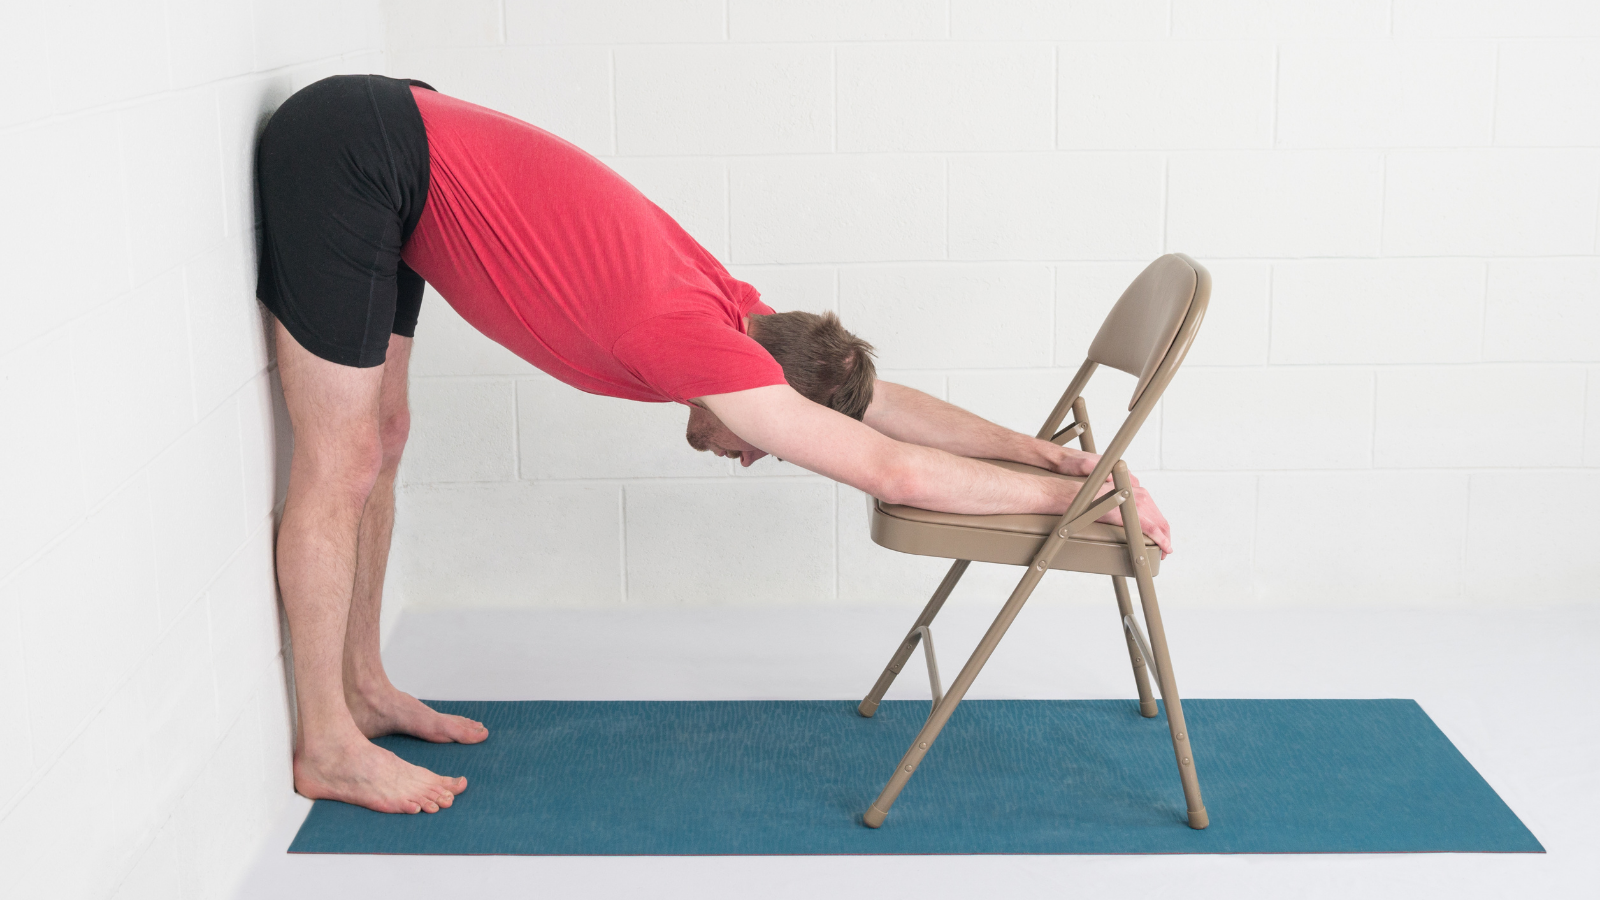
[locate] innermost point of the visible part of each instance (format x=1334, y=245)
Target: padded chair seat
x=1008, y=539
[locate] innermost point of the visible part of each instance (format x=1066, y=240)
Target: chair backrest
x=1147, y=334
x=1139, y=332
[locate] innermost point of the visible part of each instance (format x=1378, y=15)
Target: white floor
x=1510, y=688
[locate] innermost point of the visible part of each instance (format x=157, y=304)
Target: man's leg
x=378, y=706
x=338, y=454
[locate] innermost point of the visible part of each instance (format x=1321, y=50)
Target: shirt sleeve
x=688, y=355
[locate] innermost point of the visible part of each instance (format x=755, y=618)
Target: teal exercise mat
x=1006, y=776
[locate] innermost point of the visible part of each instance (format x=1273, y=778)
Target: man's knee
x=392, y=432
x=341, y=468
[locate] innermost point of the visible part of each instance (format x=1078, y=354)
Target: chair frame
x=1084, y=509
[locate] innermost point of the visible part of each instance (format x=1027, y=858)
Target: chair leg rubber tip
x=1198, y=819
x=1149, y=709
x=874, y=817
x=867, y=708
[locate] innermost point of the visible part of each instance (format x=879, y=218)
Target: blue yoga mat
x=1006, y=776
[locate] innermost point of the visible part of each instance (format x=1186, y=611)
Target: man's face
x=706, y=433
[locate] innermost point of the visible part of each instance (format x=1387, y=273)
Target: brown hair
x=820, y=360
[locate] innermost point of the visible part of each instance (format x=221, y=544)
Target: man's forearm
x=935, y=479
x=909, y=415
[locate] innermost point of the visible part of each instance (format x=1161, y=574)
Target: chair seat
x=1007, y=539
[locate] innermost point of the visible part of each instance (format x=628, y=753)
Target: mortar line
x=1494, y=97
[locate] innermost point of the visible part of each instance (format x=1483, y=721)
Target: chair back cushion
x=1139, y=331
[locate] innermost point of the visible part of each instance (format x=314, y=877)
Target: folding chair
x=1147, y=334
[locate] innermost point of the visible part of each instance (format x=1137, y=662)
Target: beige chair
x=1147, y=334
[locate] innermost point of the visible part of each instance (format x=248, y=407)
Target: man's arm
x=781, y=422
x=909, y=415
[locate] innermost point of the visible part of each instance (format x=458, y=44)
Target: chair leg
x=903, y=652
x=941, y=714
x=1158, y=644
x=1141, y=672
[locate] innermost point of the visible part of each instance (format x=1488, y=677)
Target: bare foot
x=393, y=711
x=365, y=774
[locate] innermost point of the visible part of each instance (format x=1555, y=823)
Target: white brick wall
x=144, y=728
x=1398, y=201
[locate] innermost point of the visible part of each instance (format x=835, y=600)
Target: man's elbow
x=897, y=479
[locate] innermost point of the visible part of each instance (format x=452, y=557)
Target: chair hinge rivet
x=908, y=768
x=923, y=745
x=1139, y=561
x=894, y=668
x=1065, y=533
x=1039, y=565
x=1180, y=736
x=1185, y=762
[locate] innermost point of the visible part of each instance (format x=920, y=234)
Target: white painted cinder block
x=1349, y=539
x=1491, y=202
x=1085, y=294
x=244, y=105
x=208, y=40
x=1479, y=416
x=172, y=157
x=1272, y=204
x=98, y=795
x=1385, y=93
x=267, y=443
x=951, y=316
x=1544, y=93
x=41, y=462
x=1591, y=427
x=612, y=21
x=785, y=288
x=177, y=687
x=462, y=430
x=1166, y=95
x=25, y=64
x=1035, y=206
x=1319, y=19
x=225, y=322
x=1213, y=521
x=477, y=546
x=242, y=611
x=16, y=744
x=89, y=613
x=301, y=31
x=564, y=90
x=877, y=208
x=1514, y=557
x=1495, y=18
x=730, y=542
x=1543, y=310
x=428, y=23
x=1058, y=20
x=945, y=97
x=1276, y=417
x=566, y=433
x=132, y=419
x=1234, y=332
x=104, y=51
x=836, y=20
x=693, y=191
x=1021, y=399
x=198, y=508
x=766, y=98
x=447, y=345
x=1377, y=311
x=74, y=200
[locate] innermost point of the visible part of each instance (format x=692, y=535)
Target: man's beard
x=698, y=438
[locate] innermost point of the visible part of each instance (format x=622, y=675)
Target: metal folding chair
x=1147, y=335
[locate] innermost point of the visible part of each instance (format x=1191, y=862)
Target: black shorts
x=342, y=170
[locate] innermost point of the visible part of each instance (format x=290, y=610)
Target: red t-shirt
x=557, y=258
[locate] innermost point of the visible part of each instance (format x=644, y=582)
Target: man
x=368, y=185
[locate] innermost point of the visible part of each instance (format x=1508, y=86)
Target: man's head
x=820, y=360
